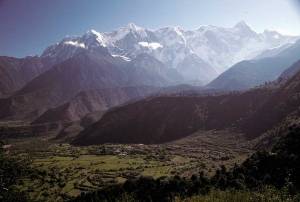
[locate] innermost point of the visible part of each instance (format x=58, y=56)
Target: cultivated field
x=63, y=171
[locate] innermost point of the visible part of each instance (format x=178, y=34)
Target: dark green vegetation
x=198, y=140
x=11, y=170
x=279, y=168
x=184, y=168
x=175, y=171
x=61, y=171
x=267, y=194
x=202, y=141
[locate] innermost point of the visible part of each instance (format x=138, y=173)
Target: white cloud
x=152, y=46
x=75, y=43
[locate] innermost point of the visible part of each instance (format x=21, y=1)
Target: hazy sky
x=29, y=26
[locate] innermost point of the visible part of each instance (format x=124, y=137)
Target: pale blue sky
x=28, y=26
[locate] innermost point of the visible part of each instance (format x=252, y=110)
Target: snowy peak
x=272, y=34
x=64, y=49
x=242, y=25
x=277, y=39
x=93, y=38
x=171, y=30
x=218, y=47
x=178, y=30
x=69, y=46
x=93, y=32
x=244, y=30
x=131, y=29
x=134, y=27
x=170, y=36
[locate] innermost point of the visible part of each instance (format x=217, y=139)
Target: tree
x=10, y=171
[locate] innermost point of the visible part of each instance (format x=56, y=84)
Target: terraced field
x=63, y=171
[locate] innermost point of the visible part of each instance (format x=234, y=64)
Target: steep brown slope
x=91, y=101
x=291, y=71
x=83, y=72
x=62, y=82
x=282, y=103
x=15, y=72
x=163, y=119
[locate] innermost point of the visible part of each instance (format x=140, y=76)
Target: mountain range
x=167, y=118
x=209, y=50
x=98, y=71
x=93, y=114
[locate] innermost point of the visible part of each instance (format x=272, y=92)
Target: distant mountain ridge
x=91, y=101
x=213, y=49
x=83, y=72
x=167, y=118
x=250, y=73
x=128, y=57
x=15, y=72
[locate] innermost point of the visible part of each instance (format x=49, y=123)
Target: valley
x=62, y=171
x=143, y=114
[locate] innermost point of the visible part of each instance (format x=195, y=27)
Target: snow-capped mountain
x=207, y=48
x=70, y=46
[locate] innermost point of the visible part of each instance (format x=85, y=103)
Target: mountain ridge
x=217, y=47
x=250, y=73
x=166, y=118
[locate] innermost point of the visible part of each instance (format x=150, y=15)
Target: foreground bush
x=280, y=169
x=266, y=195
x=11, y=170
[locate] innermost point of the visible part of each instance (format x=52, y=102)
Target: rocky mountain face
x=283, y=102
x=291, y=71
x=248, y=74
x=168, y=118
x=209, y=50
x=82, y=72
x=150, y=71
x=15, y=73
x=131, y=56
x=87, y=102
x=195, y=71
